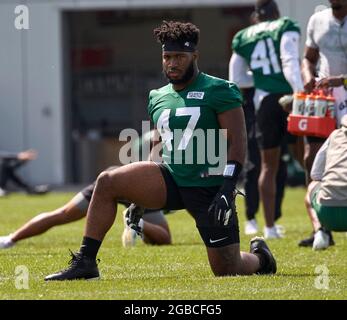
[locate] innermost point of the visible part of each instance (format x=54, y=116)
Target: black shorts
x=196, y=200
x=271, y=123
x=88, y=191
x=311, y=139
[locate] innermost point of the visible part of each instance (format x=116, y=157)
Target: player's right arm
x=311, y=56
x=308, y=68
x=239, y=72
x=8, y=155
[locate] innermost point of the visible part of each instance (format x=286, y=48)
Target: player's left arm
x=318, y=167
x=223, y=205
x=233, y=121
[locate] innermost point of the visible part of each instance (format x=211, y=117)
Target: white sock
x=141, y=223
x=10, y=241
x=269, y=229
x=7, y=242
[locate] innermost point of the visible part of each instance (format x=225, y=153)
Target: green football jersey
x=259, y=45
x=188, y=124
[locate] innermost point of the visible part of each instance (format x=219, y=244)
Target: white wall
x=45, y=92
x=31, y=82
x=30, y=89
x=12, y=128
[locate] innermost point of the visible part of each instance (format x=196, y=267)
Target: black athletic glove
x=133, y=215
x=223, y=206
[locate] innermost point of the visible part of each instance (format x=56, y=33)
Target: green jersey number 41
x=264, y=56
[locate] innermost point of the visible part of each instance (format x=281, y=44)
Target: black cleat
x=80, y=267
x=267, y=261
x=308, y=242
x=41, y=189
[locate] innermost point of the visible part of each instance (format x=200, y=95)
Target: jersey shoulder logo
x=195, y=95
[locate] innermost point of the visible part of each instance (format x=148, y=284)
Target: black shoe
x=41, y=189
x=308, y=242
x=80, y=267
x=267, y=261
x=331, y=240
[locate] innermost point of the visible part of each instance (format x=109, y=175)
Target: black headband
x=261, y=9
x=185, y=46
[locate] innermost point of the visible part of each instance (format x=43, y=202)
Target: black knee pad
x=217, y=237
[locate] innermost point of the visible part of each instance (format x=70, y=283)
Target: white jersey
x=340, y=95
x=329, y=36
x=330, y=167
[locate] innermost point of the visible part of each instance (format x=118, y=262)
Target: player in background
x=253, y=162
x=266, y=55
x=326, y=198
x=252, y=170
x=154, y=226
x=325, y=59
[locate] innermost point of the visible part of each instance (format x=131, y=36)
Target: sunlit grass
x=179, y=271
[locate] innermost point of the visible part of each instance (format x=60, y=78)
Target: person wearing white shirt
x=325, y=65
x=266, y=56
x=326, y=198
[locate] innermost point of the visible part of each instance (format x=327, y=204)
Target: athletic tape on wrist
x=232, y=169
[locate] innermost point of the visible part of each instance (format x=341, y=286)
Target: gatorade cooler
x=311, y=125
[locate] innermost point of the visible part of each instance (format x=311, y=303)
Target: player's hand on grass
x=223, y=206
x=133, y=215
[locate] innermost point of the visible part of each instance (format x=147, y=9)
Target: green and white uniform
x=260, y=46
x=190, y=111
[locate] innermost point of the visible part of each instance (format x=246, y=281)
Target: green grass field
x=179, y=271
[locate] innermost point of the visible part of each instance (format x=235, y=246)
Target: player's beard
x=185, y=78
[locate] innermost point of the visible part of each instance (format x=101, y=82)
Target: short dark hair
x=266, y=10
x=175, y=31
